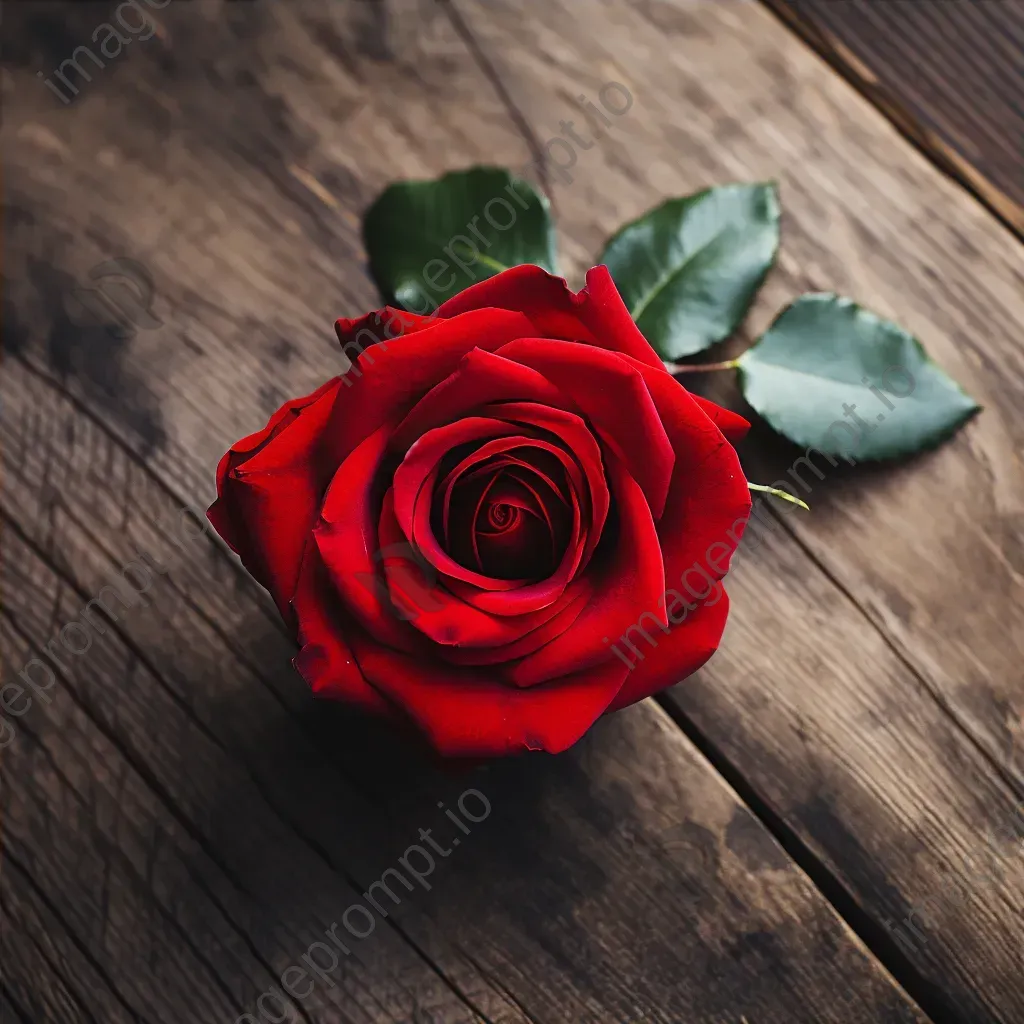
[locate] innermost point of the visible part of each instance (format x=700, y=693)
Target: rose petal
x=465, y=473
x=631, y=582
x=519, y=393
x=596, y=315
x=528, y=539
x=244, y=449
x=498, y=596
x=324, y=659
x=607, y=316
x=567, y=610
x=733, y=426
x=379, y=327
x=391, y=381
x=269, y=486
x=415, y=483
x=416, y=478
x=465, y=713
x=346, y=537
x=612, y=393
x=480, y=378
x=677, y=655
x=438, y=613
x=709, y=493
x=573, y=432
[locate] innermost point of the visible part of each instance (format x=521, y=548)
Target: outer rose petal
x=733, y=426
x=607, y=315
x=245, y=449
x=269, y=486
x=378, y=327
x=679, y=654
x=324, y=659
x=709, y=493
x=465, y=713
x=596, y=315
x=391, y=380
x=351, y=550
x=708, y=497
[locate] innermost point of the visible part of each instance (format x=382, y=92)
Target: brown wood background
x=950, y=74
x=181, y=821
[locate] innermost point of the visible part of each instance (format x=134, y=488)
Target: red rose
x=476, y=526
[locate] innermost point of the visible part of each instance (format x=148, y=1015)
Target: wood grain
x=868, y=697
x=950, y=75
x=883, y=735
x=191, y=825
x=180, y=821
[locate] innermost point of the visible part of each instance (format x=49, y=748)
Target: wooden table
x=823, y=825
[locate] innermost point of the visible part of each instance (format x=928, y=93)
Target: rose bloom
x=471, y=529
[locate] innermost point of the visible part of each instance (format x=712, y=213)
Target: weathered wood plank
x=190, y=885
x=198, y=842
x=34, y=945
x=721, y=94
x=949, y=75
x=232, y=157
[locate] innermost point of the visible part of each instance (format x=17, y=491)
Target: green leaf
x=689, y=269
x=826, y=363
x=429, y=240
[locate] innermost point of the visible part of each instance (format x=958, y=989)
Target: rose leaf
x=689, y=269
x=832, y=376
x=429, y=240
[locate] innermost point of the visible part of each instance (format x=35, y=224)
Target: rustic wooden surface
x=181, y=821
x=949, y=73
x=882, y=723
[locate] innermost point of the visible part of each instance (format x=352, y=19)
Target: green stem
x=473, y=253
x=778, y=494
x=488, y=262
x=729, y=364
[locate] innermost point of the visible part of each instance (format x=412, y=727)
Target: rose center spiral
x=504, y=510
x=502, y=516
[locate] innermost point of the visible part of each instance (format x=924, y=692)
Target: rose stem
x=730, y=364
x=779, y=494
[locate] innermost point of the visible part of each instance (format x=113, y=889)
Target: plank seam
x=491, y=74
x=928, y=997
x=927, y=142
x=122, y=445
x=82, y=948
x=1015, y=786
x=179, y=815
